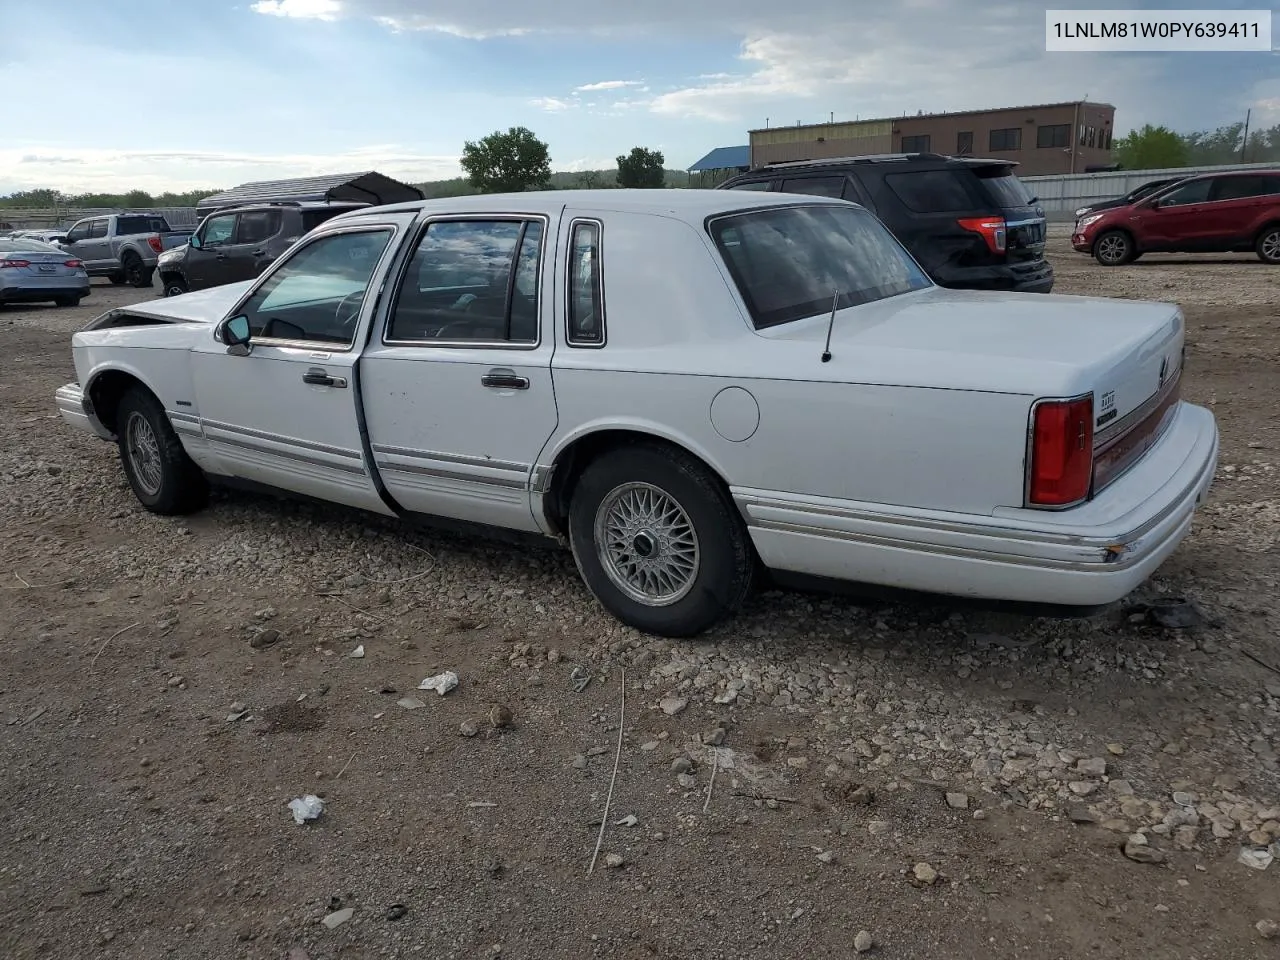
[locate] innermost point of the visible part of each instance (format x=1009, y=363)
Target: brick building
x=1038, y=137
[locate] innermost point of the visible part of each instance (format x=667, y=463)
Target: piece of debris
x=863, y=941
x=34, y=715
x=630, y=820
x=338, y=917
x=306, y=808
x=714, y=738
x=1115, y=749
x=686, y=780
x=579, y=762
x=1078, y=813
x=238, y=712
x=442, y=683
x=1258, y=858
x=1172, y=613
x=958, y=801
x=614, y=860
x=1092, y=766
x=357, y=653
x=681, y=764
x=729, y=696
x=673, y=706
x=397, y=911
x=500, y=716
x=1137, y=849
x=94, y=890
x=579, y=679
x=1267, y=929
x=925, y=872
x=827, y=856
x=264, y=639
x=410, y=703
x=468, y=728
x=481, y=803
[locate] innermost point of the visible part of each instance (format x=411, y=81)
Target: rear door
x=1236, y=208
x=204, y=264
x=247, y=256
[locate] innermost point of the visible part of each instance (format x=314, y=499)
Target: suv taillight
x=1061, y=452
x=156, y=244
x=991, y=229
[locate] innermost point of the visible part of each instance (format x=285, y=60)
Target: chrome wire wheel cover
x=1112, y=248
x=144, y=454
x=1271, y=245
x=646, y=544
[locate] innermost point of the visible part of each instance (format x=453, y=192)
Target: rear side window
x=815, y=186
x=98, y=229
x=754, y=185
x=257, y=225
x=1003, y=187
x=931, y=191
x=794, y=262
x=586, y=293
x=1241, y=188
x=139, y=224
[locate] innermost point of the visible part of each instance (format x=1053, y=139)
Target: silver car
x=31, y=271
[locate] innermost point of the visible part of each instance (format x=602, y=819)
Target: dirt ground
x=955, y=783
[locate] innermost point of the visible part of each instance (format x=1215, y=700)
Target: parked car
x=1133, y=196
x=239, y=243
x=685, y=386
x=972, y=224
x=1215, y=213
x=44, y=236
x=123, y=247
x=31, y=272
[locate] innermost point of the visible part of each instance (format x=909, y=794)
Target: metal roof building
x=720, y=164
x=367, y=187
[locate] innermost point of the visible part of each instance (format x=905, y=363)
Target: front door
x=457, y=381
x=1177, y=222
x=287, y=413
x=92, y=245
x=205, y=265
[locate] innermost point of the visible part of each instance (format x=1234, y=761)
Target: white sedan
x=689, y=388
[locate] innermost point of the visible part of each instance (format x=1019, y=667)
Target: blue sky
x=157, y=94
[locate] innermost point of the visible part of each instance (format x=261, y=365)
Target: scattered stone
x=649, y=747
x=729, y=696
x=958, y=801
x=1115, y=749
x=879, y=828
x=798, y=763
x=357, y=653
x=1092, y=767
x=925, y=873
x=1267, y=929
x=863, y=942
x=410, y=703
x=1078, y=813
x=1183, y=799
x=614, y=861
x=673, y=706
x=597, y=751
x=979, y=814
x=681, y=764
x=176, y=681
x=715, y=738
x=397, y=911
x=827, y=856
x=1082, y=788
x=1137, y=849
x=686, y=780
x=579, y=762
x=264, y=639
x=468, y=728
x=1185, y=836
x=500, y=716
x=1121, y=788
x=338, y=917
x=630, y=820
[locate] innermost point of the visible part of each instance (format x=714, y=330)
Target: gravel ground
x=818, y=774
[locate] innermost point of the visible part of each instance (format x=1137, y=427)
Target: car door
x=1235, y=204
x=204, y=264
x=287, y=414
x=246, y=256
x=75, y=241
x=457, y=387
x=1174, y=220
x=95, y=247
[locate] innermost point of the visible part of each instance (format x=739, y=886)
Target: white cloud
x=550, y=104
x=607, y=85
x=299, y=9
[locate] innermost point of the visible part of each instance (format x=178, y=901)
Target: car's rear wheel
x=1113, y=249
x=658, y=541
x=67, y=301
x=164, y=479
x=135, y=272
x=117, y=279
x=1267, y=246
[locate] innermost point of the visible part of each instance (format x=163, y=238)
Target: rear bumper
x=73, y=287
x=1034, y=277
x=1090, y=556
x=76, y=412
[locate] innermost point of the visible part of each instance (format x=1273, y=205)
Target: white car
x=690, y=388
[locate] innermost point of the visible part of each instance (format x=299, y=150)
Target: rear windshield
x=931, y=191
x=794, y=262
x=141, y=224
x=1005, y=189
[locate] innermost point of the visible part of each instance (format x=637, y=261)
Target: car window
x=127, y=225
x=315, y=294
x=931, y=191
x=1002, y=186
x=753, y=185
x=218, y=230
x=815, y=186
x=471, y=280
x=257, y=225
x=1241, y=188
x=98, y=229
x=79, y=232
x=793, y=262
x=586, y=291
x=1197, y=191
x=313, y=218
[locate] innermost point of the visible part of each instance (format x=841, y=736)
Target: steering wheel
x=346, y=315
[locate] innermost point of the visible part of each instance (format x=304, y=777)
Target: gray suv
x=240, y=242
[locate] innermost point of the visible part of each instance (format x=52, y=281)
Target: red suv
x=1214, y=213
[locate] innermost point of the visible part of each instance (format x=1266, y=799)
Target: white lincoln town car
x=692, y=389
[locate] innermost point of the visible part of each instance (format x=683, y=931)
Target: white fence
x=61, y=218
x=1062, y=194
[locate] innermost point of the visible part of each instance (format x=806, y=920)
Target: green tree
x=589, y=180
x=137, y=198
x=509, y=162
x=1151, y=148
x=1208, y=147
x=641, y=168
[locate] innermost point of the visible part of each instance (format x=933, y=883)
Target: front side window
x=315, y=295
x=472, y=280
x=793, y=262
x=586, y=291
x=218, y=230
x=79, y=232
x=1197, y=191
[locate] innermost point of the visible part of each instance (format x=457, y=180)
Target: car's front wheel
x=164, y=479
x=1113, y=249
x=658, y=541
x=1267, y=245
x=173, y=286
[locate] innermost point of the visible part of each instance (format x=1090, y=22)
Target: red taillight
x=991, y=229
x=14, y=263
x=74, y=263
x=156, y=244
x=1061, y=452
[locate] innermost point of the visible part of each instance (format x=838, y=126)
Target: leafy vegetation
x=1153, y=148
x=509, y=162
x=641, y=168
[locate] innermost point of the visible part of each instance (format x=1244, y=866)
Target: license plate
x=48, y=269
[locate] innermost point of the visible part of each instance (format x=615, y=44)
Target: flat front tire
x=658, y=541
x=164, y=479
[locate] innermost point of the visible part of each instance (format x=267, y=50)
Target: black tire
x=135, y=272
x=67, y=301
x=117, y=279
x=1267, y=246
x=173, y=286
x=177, y=486
x=722, y=569
x=1114, y=249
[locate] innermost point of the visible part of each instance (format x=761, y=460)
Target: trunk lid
x=42, y=263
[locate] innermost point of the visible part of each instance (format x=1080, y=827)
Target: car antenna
x=831, y=322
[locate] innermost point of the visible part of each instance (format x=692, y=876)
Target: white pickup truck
x=690, y=388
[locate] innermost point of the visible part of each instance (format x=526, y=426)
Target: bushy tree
x=641, y=168
x=1151, y=148
x=509, y=162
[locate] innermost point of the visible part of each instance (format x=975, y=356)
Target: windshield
x=793, y=262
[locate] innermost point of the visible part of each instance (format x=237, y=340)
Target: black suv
x=970, y=223
x=240, y=242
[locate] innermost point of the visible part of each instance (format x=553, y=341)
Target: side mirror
x=235, y=334
x=194, y=241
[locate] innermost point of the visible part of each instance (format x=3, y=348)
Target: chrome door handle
x=318, y=378
x=504, y=380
